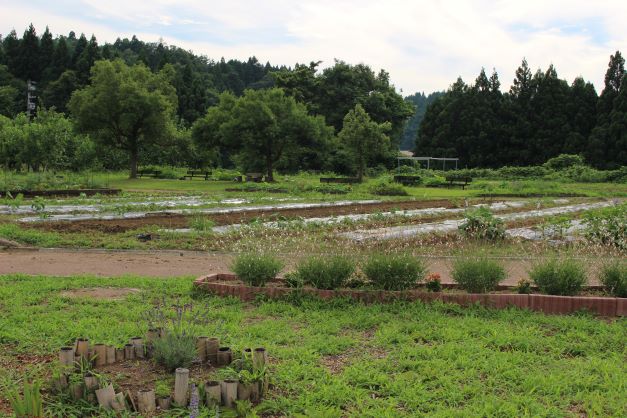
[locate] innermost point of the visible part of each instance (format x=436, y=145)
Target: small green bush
x=614, y=278
x=563, y=277
x=478, y=275
x=607, y=226
x=256, y=269
x=481, y=224
x=394, y=272
x=201, y=224
x=388, y=189
x=175, y=350
x=326, y=273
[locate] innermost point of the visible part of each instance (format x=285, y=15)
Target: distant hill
x=421, y=101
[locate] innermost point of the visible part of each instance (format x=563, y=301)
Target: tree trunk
x=134, y=158
x=269, y=176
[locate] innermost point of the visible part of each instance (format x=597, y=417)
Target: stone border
x=222, y=284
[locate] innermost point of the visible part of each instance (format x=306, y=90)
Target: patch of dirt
x=173, y=221
x=112, y=293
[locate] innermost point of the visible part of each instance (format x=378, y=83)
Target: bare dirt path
x=164, y=264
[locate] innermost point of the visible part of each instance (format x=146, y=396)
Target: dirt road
x=173, y=263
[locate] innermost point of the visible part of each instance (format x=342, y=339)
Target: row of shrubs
x=400, y=272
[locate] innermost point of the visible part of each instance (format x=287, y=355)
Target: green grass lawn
x=347, y=359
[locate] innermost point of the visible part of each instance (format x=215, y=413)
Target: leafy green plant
x=256, y=269
x=477, y=275
x=523, y=287
x=613, y=275
x=433, y=283
x=30, y=404
x=607, y=226
x=394, y=272
x=480, y=223
x=162, y=389
x=326, y=272
x=555, y=276
x=293, y=279
x=174, y=350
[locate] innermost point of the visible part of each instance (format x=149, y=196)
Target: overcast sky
x=424, y=45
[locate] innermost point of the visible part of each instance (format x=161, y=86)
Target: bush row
x=564, y=276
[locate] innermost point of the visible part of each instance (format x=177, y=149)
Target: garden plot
x=451, y=225
x=551, y=232
x=329, y=220
x=208, y=211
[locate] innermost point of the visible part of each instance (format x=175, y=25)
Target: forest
x=131, y=103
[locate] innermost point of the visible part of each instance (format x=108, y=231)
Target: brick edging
x=605, y=306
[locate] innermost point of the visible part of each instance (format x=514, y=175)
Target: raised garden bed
x=342, y=180
x=62, y=192
x=224, y=284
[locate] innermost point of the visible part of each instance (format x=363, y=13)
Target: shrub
x=388, y=189
x=478, y=275
x=394, y=272
x=564, y=161
x=293, y=280
x=563, y=277
x=614, y=278
x=481, y=224
x=174, y=350
x=523, y=287
x=256, y=269
x=326, y=273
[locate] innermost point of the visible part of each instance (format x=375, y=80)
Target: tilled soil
x=173, y=221
x=164, y=264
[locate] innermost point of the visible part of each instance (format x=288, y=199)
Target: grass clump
x=394, y=272
x=478, y=275
x=256, y=269
x=564, y=277
x=614, y=278
x=387, y=189
x=326, y=273
x=201, y=224
x=480, y=223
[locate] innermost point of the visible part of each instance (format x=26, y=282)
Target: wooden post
x=129, y=351
x=119, y=402
x=152, y=335
x=138, y=344
x=91, y=382
x=229, y=392
x=105, y=396
x=212, y=350
x=201, y=348
x=82, y=348
x=76, y=390
x=181, y=386
x=244, y=391
x=146, y=401
x=110, y=354
x=164, y=403
x=100, y=350
x=225, y=356
x=66, y=358
x=119, y=354
x=213, y=393
x=260, y=357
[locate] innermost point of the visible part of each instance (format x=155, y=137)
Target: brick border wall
x=222, y=285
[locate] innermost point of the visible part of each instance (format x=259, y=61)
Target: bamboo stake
x=229, y=392
x=244, y=391
x=91, y=382
x=260, y=357
x=138, y=344
x=201, y=348
x=105, y=396
x=146, y=401
x=181, y=386
x=224, y=356
x=213, y=393
x=164, y=403
x=110, y=354
x=76, y=390
x=100, y=350
x=212, y=350
x=129, y=352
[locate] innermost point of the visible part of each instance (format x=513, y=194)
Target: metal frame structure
x=428, y=160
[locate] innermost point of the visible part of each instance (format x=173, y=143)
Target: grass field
x=346, y=359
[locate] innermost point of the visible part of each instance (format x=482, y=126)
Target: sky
x=423, y=45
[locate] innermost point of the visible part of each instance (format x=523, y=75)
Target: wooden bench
x=407, y=180
x=341, y=180
x=459, y=181
x=148, y=173
x=254, y=177
x=196, y=173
